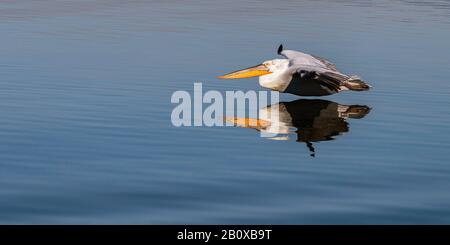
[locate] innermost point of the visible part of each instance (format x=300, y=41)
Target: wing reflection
x=310, y=120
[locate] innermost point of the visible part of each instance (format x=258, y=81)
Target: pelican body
x=300, y=74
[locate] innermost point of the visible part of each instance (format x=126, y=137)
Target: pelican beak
x=258, y=70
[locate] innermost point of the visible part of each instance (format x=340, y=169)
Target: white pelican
x=300, y=74
x=311, y=120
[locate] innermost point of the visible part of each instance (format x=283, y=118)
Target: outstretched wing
x=328, y=64
x=292, y=54
x=306, y=59
x=325, y=78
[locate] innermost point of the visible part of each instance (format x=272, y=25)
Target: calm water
x=86, y=136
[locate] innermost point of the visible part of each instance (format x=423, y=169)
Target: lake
x=86, y=134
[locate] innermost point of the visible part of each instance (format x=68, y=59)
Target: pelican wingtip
x=280, y=49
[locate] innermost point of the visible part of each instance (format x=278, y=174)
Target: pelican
x=311, y=120
x=300, y=74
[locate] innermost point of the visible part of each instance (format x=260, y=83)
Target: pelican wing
x=292, y=54
x=330, y=80
x=326, y=78
x=307, y=59
x=327, y=63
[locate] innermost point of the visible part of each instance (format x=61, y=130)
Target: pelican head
x=265, y=68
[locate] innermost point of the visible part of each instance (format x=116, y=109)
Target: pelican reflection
x=311, y=120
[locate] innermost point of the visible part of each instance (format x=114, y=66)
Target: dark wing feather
x=329, y=80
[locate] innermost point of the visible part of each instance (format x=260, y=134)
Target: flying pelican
x=300, y=74
x=311, y=120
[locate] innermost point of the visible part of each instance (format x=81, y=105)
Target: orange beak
x=258, y=70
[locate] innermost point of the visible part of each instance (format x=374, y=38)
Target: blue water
x=86, y=136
